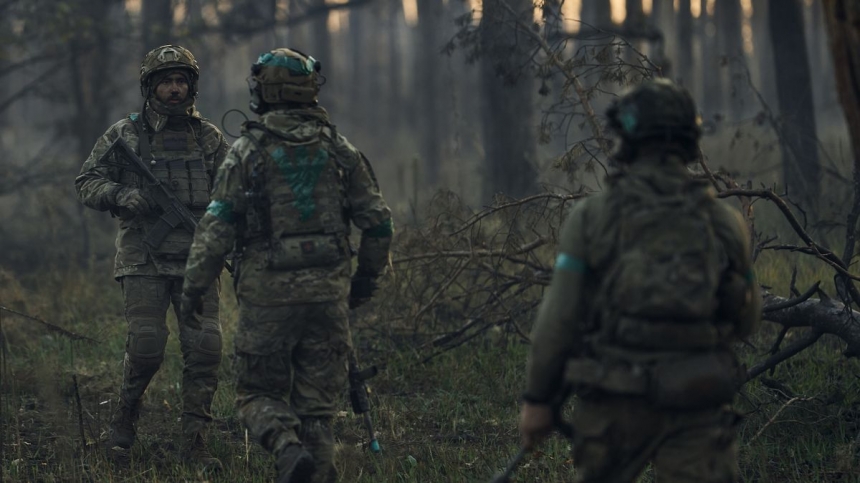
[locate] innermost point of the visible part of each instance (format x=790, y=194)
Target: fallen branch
x=50, y=326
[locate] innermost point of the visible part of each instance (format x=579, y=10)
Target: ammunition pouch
x=694, y=382
x=686, y=382
x=306, y=251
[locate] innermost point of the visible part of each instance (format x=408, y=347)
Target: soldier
x=184, y=151
x=284, y=198
x=652, y=282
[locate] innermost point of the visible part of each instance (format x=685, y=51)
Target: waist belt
x=616, y=378
x=671, y=336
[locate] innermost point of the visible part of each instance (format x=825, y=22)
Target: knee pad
x=145, y=344
x=207, y=347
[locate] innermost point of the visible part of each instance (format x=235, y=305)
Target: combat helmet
x=656, y=110
x=284, y=76
x=164, y=58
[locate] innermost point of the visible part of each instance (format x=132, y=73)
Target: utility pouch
x=695, y=382
x=295, y=252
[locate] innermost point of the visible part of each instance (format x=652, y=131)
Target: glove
x=135, y=201
x=361, y=290
x=188, y=306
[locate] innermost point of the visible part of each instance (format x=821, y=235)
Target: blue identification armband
x=570, y=263
x=223, y=210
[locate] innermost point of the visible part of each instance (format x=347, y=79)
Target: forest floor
x=452, y=419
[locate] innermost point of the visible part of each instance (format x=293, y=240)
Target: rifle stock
x=358, y=396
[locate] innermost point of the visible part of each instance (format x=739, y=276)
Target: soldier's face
x=172, y=89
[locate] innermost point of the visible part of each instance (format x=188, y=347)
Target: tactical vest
x=179, y=162
x=297, y=200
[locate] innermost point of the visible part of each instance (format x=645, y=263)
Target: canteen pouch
x=295, y=252
x=695, y=382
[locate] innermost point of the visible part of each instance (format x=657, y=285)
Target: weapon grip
x=157, y=234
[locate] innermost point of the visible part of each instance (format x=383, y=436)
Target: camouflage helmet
x=656, y=109
x=284, y=76
x=164, y=58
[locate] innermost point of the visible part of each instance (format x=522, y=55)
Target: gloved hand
x=135, y=201
x=361, y=290
x=188, y=306
x=536, y=422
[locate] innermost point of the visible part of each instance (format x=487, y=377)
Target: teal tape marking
x=570, y=263
x=223, y=210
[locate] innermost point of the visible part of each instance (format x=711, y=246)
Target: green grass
x=452, y=419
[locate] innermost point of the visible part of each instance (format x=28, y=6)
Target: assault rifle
x=175, y=212
x=358, y=396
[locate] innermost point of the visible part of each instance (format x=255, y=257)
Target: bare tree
x=429, y=86
x=157, y=26
x=508, y=114
x=730, y=19
x=684, y=52
x=712, y=86
x=801, y=169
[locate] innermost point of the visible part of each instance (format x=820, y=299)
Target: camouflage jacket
x=97, y=187
x=230, y=218
x=589, y=232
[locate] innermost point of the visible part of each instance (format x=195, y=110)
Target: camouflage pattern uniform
x=184, y=150
x=284, y=198
x=623, y=418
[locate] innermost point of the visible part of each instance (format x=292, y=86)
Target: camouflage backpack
x=661, y=285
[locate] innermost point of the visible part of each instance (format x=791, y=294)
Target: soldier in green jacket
x=652, y=282
x=183, y=151
x=283, y=201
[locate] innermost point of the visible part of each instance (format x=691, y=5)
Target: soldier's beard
x=184, y=108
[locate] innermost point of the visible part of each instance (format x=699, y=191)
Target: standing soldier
x=183, y=151
x=284, y=199
x=652, y=282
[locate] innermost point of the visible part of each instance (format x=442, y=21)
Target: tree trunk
x=712, y=86
x=684, y=48
x=157, y=24
x=801, y=169
x=730, y=18
x=508, y=114
x=842, y=19
x=395, y=65
x=597, y=13
x=323, y=52
x=763, y=67
x=429, y=66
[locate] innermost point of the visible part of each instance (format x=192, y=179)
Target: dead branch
x=50, y=326
x=474, y=253
x=493, y=209
x=792, y=302
x=773, y=418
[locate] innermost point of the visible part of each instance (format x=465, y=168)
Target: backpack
x=666, y=267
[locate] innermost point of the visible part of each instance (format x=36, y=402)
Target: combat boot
x=195, y=454
x=122, y=430
x=294, y=464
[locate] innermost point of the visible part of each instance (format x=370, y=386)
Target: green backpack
x=666, y=267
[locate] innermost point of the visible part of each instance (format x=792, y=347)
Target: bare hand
x=536, y=422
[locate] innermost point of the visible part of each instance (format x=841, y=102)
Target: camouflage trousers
x=615, y=438
x=146, y=301
x=291, y=368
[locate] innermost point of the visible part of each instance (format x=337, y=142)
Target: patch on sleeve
x=570, y=263
x=382, y=230
x=223, y=210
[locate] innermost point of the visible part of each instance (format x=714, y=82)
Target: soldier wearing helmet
x=284, y=201
x=183, y=150
x=652, y=282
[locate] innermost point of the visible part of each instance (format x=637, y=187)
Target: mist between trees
x=433, y=99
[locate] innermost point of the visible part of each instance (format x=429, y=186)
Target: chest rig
x=296, y=200
x=176, y=158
